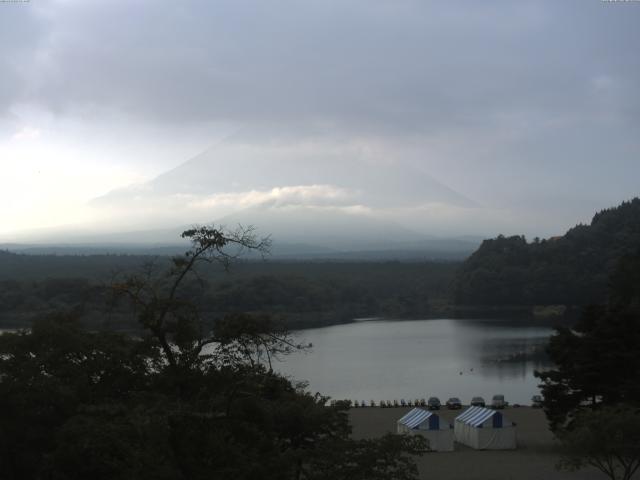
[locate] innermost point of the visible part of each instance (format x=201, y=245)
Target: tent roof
x=475, y=416
x=415, y=417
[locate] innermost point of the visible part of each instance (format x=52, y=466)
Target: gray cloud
x=522, y=105
x=393, y=65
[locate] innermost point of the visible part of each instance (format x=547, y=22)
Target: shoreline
x=534, y=458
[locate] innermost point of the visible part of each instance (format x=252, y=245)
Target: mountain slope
x=231, y=167
x=573, y=269
x=295, y=187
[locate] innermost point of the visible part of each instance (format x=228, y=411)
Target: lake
x=387, y=360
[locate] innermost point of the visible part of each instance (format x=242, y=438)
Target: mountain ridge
x=230, y=178
x=572, y=269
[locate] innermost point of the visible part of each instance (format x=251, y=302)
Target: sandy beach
x=534, y=459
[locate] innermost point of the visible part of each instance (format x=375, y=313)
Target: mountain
x=295, y=234
x=573, y=269
x=330, y=228
x=307, y=193
x=314, y=199
x=232, y=167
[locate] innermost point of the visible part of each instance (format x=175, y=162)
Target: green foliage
x=598, y=360
x=302, y=294
x=607, y=439
x=180, y=401
x=317, y=294
x=569, y=270
x=47, y=374
x=387, y=457
x=76, y=404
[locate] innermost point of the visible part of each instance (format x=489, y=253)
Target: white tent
x=485, y=429
x=439, y=434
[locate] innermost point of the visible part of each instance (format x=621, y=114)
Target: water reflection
x=386, y=360
x=505, y=349
x=395, y=359
x=513, y=358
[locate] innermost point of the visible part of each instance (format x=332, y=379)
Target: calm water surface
x=386, y=360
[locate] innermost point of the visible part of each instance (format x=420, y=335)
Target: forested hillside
x=568, y=270
x=505, y=276
x=303, y=294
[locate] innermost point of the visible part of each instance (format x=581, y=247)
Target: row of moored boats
x=433, y=403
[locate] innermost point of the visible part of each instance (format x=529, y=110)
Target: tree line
x=569, y=270
x=303, y=294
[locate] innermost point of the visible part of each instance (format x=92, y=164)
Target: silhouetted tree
x=607, y=439
x=182, y=401
x=598, y=360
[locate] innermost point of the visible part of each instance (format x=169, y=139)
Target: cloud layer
x=529, y=108
x=381, y=65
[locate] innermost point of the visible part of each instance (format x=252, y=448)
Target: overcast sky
x=529, y=109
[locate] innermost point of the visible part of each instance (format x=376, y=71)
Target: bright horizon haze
x=439, y=118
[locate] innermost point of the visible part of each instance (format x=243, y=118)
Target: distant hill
x=445, y=249
x=21, y=266
x=572, y=269
x=301, y=293
x=344, y=199
x=232, y=167
x=335, y=237
x=315, y=200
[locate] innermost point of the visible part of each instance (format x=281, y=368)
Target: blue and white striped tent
x=484, y=429
x=420, y=419
x=476, y=416
x=423, y=422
